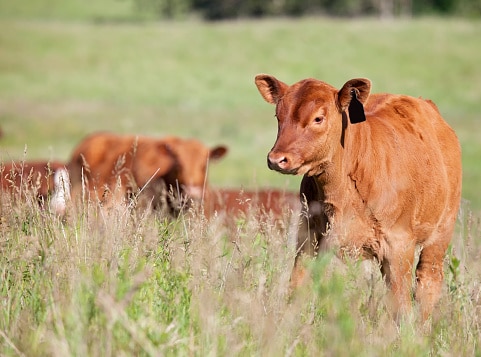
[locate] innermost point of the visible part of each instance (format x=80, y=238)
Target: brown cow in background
x=127, y=165
x=40, y=178
x=266, y=202
x=382, y=175
x=268, y=207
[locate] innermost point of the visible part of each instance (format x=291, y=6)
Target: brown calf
x=35, y=177
x=382, y=175
x=127, y=164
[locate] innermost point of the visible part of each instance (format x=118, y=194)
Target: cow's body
x=35, y=177
x=267, y=201
x=126, y=164
x=375, y=188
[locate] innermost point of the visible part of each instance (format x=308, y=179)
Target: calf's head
x=311, y=118
x=193, y=158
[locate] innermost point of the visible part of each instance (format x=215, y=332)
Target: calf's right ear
x=270, y=88
x=218, y=152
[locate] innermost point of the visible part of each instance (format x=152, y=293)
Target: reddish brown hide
x=35, y=176
x=268, y=201
x=382, y=175
x=125, y=164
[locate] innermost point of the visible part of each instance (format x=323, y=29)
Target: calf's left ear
x=270, y=88
x=352, y=97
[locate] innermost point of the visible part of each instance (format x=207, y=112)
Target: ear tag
x=356, y=109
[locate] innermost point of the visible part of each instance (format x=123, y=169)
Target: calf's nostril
x=276, y=162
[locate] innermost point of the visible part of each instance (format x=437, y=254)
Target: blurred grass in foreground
x=110, y=282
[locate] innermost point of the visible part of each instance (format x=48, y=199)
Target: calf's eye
x=318, y=120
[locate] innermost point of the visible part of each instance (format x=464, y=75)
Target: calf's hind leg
x=430, y=274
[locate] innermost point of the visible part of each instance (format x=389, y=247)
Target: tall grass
x=107, y=282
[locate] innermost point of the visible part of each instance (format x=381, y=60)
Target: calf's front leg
x=312, y=227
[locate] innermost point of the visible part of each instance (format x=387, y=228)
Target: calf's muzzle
x=279, y=162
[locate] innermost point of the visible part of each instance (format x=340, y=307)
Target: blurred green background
x=68, y=68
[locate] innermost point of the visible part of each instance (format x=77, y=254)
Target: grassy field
x=110, y=283
x=62, y=80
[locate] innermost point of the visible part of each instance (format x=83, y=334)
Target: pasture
x=115, y=283
x=63, y=80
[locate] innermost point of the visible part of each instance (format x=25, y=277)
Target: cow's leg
x=307, y=246
x=430, y=275
x=312, y=227
x=397, y=271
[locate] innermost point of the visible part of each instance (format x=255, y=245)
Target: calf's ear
x=270, y=88
x=352, y=97
x=218, y=152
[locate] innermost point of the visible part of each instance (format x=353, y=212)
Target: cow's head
x=193, y=158
x=311, y=116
